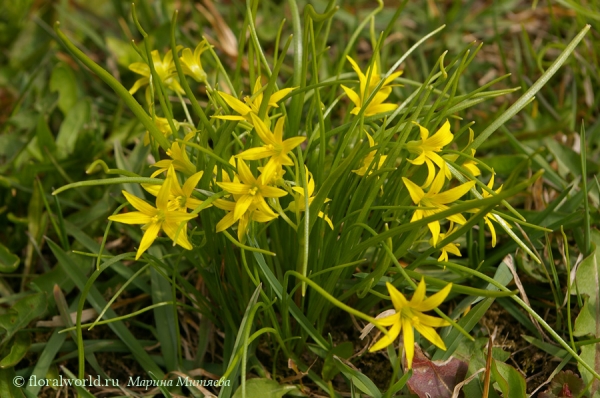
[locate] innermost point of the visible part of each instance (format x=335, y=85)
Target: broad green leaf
x=18, y=349
x=8, y=261
x=45, y=139
x=585, y=324
x=71, y=127
x=264, y=388
x=8, y=379
x=342, y=350
x=63, y=80
x=586, y=284
x=510, y=381
x=21, y=313
x=589, y=354
x=361, y=381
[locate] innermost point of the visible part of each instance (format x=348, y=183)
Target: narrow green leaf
x=8, y=261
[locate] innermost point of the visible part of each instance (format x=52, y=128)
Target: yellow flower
x=155, y=219
x=228, y=220
x=163, y=126
x=376, y=105
x=180, y=198
x=275, y=147
x=249, y=194
x=427, y=147
x=179, y=159
x=409, y=315
x=469, y=164
x=449, y=248
x=435, y=201
x=299, y=202
x=251, y=104
x=165, y=69
x=192, y=64
x=366, y=162
x=489, y=217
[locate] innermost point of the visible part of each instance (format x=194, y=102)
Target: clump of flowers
x=410, y=315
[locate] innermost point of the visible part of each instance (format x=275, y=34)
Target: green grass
x=282, y=306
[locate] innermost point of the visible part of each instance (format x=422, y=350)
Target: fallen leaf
x=435, y=378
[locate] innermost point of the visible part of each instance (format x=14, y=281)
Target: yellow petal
x=431, y=335
x=453, y=194
x=262, y=130
x=230, y=117
x=432, y=321
x=139, y=204
x=262, y=217
x=442, y=137
x=190, y=184
x=256, y=153
x=389, y=339
x=272, y=192
x=245, y=174
x=389, y=320
x=292, y=143
x=355, y=67
x=149, y=236
x=134, y=217
x=398, y=298
x=352, y=95
x=415, y=191
x=242, y=205
x=162, y=199
x=278, y=96
x=409, y=341
x=181, y=239
x=234, y=187
x=434, y=227
x=419, y=295
x=235, y=103
x=225, y=222
x=435, y=300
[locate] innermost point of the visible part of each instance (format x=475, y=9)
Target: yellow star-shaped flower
x=165, y=69
x=367, y=160
x=427, y=147
x=157, y=218
x=249, y=194
x=449, y=248
x=409, y=315
x=275, y=147
x=251, y=105
x=180, y=198
x=366, y=88
x=299, y=202
x=179, y=159
x=192, y=64
x=435, y=201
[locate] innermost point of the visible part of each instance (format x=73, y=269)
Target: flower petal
x=235, y=103
x=256, y=153
x=149, y=236
x=352, y=95
x=190, y=183
x=242, y=205
x=134, y=217
x=430, y=334
x=398, y=298
x=225, y=222
x=432, y=321
x=389, y=339
x=419, y=295
x=272, y=192
x=409, y=341
x=234, y=187
x=453, y=194
x=415, y=191
x=139, y=204
x=244, y=173
x=435, y=300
